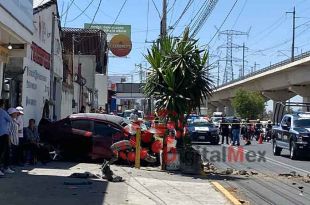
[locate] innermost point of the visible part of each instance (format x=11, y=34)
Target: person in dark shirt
x=32, y=141
x=258, y=128
x=235, y=127
x=224, y=128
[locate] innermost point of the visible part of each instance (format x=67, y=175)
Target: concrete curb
x=226, y=193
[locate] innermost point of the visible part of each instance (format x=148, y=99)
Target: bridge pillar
x=279, y=95
x=302, y=90
x=219, y=106
x=211, y=108
x=229, y=111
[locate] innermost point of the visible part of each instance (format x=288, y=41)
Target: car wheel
x=293, y=151
x=276, y=150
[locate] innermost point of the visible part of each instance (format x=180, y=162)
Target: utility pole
x=294, y=28
x=243, y=51
x=52, y=88
x=73, y=42
x=218, y=73
x=163, y=23
x=254, y=67
x=140, y=71
x=163, y=33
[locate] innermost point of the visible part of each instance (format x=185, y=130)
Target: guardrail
x=272, y=66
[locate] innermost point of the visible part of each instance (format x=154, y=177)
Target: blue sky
x=269, y=39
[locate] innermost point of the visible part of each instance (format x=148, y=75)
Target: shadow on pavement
x=49, y=185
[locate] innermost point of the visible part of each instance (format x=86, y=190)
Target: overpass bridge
x=277, y=82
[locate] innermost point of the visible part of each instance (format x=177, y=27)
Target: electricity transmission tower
x=229, y=70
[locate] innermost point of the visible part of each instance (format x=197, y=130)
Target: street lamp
x=10, y=47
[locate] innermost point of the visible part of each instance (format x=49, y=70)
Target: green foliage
x=248, y=104
x=178, y=79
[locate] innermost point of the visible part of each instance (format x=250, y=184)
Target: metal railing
x=270, y=67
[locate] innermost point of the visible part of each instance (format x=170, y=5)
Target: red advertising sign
x=40, y=56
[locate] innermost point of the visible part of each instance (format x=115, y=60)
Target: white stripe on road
x=275, y=162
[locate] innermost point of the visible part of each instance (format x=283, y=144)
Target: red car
x=84, y=135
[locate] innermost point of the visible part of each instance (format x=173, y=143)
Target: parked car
x=216, y=121
x=293, y=133
x=84, y=135
x=201, y=130
x=127, y=113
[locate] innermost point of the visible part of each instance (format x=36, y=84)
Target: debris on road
x=306, y=179
x=84, y=175
x=243, y=172
x=107, y=173
x=208, y=167
x=254, y=173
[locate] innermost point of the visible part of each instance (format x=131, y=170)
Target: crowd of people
x=18, y=144
x=234, y=130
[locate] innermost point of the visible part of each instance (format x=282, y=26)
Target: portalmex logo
x=232, y=154
x=225, y=154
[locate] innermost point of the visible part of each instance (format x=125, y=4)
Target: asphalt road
x=267, y=187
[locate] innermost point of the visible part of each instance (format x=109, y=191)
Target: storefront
x=16, y=29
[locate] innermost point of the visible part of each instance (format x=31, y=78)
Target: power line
x=116, y=18
x=82, y=12
x=156, y=9
x=232, y=8
x=271, y=29
x=204, y=4
x=172, y=6
x=72, y=1
x=204, y=16
x=189, y=3
x=242, y=9
x=147, y=19
x=96, y=12
x=77, y=6
x=279, y=44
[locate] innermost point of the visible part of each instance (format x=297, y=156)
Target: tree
x=178, y=79
x=248, y=104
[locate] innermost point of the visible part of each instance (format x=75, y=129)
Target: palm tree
x=179, y=80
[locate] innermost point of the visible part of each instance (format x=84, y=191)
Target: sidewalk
x=49, y=185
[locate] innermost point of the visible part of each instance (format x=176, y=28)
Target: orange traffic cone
x=260, y=140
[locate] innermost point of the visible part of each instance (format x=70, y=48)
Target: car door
x=79, y=142
x=285, y=125
x=286, y=133
x=103, y=137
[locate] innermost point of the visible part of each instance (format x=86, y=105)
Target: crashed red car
x=84, y=135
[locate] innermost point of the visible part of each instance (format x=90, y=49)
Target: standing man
x=235, y=127
x=134, y=116
x=20, y=149
x=13, y=135
x=224, y=130
x=5, y=120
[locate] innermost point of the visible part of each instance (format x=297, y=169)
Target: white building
x=31, y=27
x=46, y=61
x=87, y=74
x=16, y=30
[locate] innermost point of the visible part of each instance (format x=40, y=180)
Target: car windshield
x=302, y=123
x=201, y=124
x=216, y=119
